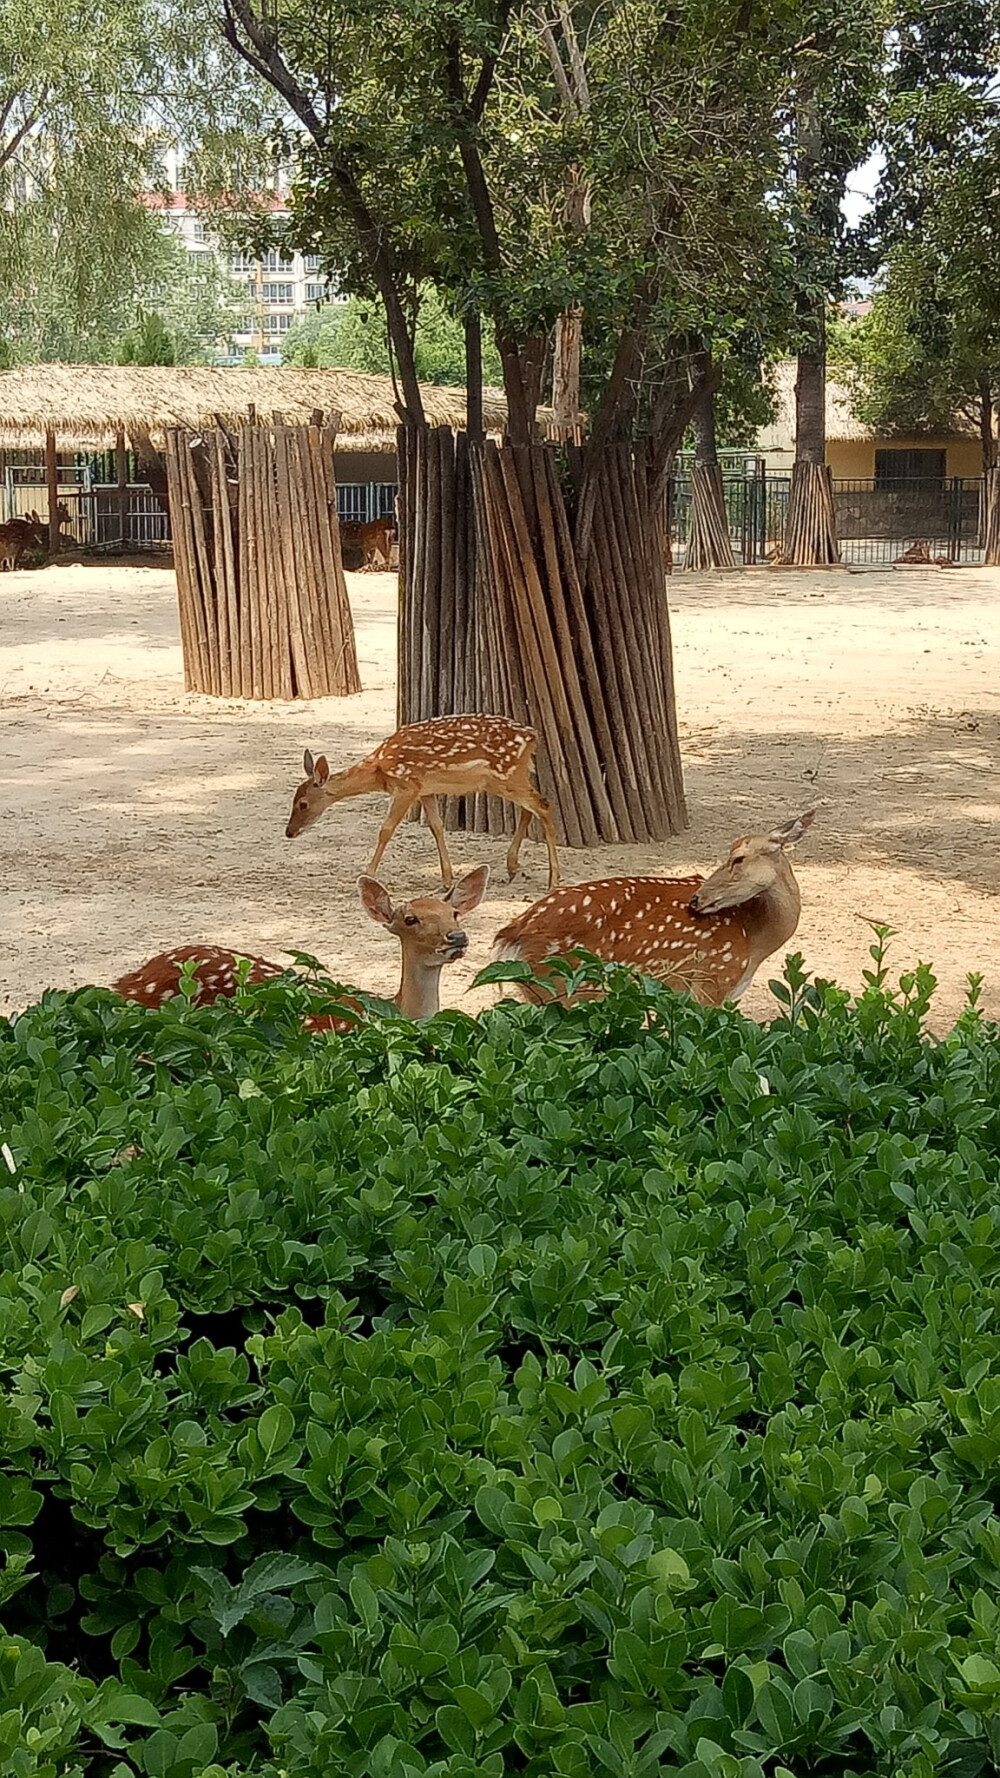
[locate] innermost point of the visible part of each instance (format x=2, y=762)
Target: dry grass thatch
x=86, y=404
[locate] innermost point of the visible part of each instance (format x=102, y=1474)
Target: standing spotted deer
x=448, y=756
x=707, y=937
x=427, y=928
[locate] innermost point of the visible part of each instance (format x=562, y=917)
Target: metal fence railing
x=876, y=521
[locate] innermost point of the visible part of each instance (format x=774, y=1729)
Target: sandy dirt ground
x=138, y=817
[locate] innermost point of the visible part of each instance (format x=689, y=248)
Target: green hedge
x=612, y=1392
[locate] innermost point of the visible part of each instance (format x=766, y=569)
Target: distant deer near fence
x=447, y=756
x=706, y=936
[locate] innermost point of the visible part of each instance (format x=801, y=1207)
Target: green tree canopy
x=931, y=347
x=353, y=334
x=87, y=100
x=440, y=152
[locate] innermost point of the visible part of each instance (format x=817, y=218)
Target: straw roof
x=87, y=404
x=842, y=424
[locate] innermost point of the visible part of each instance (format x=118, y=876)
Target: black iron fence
x=92, y=516
x=876, y=522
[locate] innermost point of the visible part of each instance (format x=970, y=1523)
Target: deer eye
x=303, y=804
x=411, y=920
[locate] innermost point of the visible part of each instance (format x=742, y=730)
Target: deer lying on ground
x=707, y=937
x=428, y=931
x=448, y=756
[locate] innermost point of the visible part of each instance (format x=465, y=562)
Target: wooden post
x=121, y=470
x=52, y=481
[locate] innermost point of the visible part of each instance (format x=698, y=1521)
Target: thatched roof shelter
x=88, y=405
x=842, y=423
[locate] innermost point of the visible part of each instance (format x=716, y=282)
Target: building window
x=277, y=323
x=242, y=262
x=277, y=293
x=915, y=470
x=198, y=231
x=276, y=262
x=312, y=262
x=315, y=293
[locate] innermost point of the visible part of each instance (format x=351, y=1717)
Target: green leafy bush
x=604, y=1392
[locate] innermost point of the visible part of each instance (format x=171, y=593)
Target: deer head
x=427, y=927
x=310, y=799
x=755, y=865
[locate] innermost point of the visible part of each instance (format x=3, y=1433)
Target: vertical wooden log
x=220, y=524
x=121, y=486
x=403, y=522
x=205, y=604
x=288, y=520
x=245, y=523
x=52, y=485
x=312, y=644
x=447, y=663
x=182, y=563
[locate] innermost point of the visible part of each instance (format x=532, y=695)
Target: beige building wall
x=853, y=459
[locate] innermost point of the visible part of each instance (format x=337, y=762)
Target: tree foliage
x=353, y=334
x=608, y=1393
x=88, y=96
x=931, y=348
x=439, y=153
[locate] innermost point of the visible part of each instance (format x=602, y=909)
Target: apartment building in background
x=279, y=288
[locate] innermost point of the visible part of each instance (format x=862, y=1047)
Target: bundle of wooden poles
x=709, y=543
x=504, y=610
x=263, y=602
x=811, y=522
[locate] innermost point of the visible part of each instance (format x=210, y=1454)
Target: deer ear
x=308, y=763
x=376, y=901
x=321, y=770
x=468, y=892
x=792, y=831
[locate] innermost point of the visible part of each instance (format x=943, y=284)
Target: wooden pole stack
x=709, y=543
x=811, y=524
x=263, y=602
x=500, y=612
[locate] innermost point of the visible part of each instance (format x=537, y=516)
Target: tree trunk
x=566, y=373
x=154, y=468
x=810, y=395
x=987, y=445
x=991, y=500
x=810, y=529
x=709, y=543
x=986, y=436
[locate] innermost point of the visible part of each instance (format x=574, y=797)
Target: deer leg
x=514, y=849
x=402, y=802
x=533, y=803
x=432, y=809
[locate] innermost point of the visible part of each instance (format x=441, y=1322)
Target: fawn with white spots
x=706, y=937
x=448, y=756
x=427, y=928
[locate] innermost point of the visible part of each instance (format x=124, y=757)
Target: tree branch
x=10, y=148
x=484, y=85
x=670, y=431
x=266, y=59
